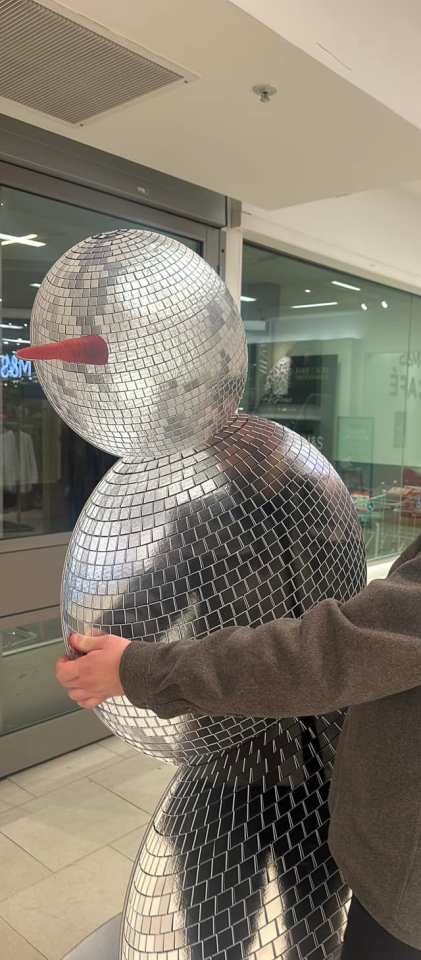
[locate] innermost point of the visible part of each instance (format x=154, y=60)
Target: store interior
x=337, y=358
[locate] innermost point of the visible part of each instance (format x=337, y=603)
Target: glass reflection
x=337, y=358
x=46, y=471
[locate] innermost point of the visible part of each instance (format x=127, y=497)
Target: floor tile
x=14, y=947
x=59, y=912
x=140, y=780
x=11, y=814
x=70, y=823
x=119, y=747
x=18, y=869
x=12, y=795
x=130, y=844
x=74, y=766
x=103, y=943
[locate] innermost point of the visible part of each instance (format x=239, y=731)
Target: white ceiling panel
x=319, y=137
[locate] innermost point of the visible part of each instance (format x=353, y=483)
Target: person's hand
x=91, y=679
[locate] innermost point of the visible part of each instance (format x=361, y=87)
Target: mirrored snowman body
x=208, y=519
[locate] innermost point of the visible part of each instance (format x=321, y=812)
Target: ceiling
x=375, y=46
x=321, y=136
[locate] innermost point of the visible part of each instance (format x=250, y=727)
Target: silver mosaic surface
x=255, y=527
x=210, y=519
x=239, y=872
x=177, y=352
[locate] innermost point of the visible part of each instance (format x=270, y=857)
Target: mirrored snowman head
x=138, y=344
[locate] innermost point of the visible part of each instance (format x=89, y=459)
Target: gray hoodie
x=365, y=654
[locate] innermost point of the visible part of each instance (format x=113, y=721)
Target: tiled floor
x=69, y=831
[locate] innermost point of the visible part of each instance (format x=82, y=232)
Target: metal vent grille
x=58, y=66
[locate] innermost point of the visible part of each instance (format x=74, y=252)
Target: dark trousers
x=367, y=940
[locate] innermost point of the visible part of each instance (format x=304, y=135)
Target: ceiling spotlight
x=364, y=306
x=264, y=91
x=36, y=285
x=385, y=304
x=308, y=306
x=346, y=286
x=248, y=299
x=28, y=240
x=307, y=290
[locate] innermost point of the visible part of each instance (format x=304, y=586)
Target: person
x=364, y=654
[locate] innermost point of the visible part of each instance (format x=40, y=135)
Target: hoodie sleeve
x=335, y=656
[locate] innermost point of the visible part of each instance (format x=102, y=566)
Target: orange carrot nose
x=92, y=349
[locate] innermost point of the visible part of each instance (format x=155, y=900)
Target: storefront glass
x=29, y=692
x=46, y=471
x=337, y=358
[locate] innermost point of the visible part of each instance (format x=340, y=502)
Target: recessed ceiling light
x=346, y=286
x=307, y=306
x=28, y=240
x=248, y=299
x=364, y=306
x=385, y=304
x=35, y=285
x=307, y=290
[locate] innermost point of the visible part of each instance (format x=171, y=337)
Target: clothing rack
x=18, y=423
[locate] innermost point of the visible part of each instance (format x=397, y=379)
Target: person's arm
x=336, y=656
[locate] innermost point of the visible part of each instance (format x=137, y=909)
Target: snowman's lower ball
x=255, y=527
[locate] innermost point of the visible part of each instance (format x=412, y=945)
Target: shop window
x=46, y=471
x=337, y=358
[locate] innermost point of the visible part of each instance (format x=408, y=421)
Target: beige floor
x=69, y=831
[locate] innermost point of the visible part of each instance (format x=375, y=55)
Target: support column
x=232, y=260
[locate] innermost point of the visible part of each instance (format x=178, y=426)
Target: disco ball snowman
x=209, y=519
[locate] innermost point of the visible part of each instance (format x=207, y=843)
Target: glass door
x=46, y=475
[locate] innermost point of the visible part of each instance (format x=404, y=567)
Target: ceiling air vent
x=69, y=71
